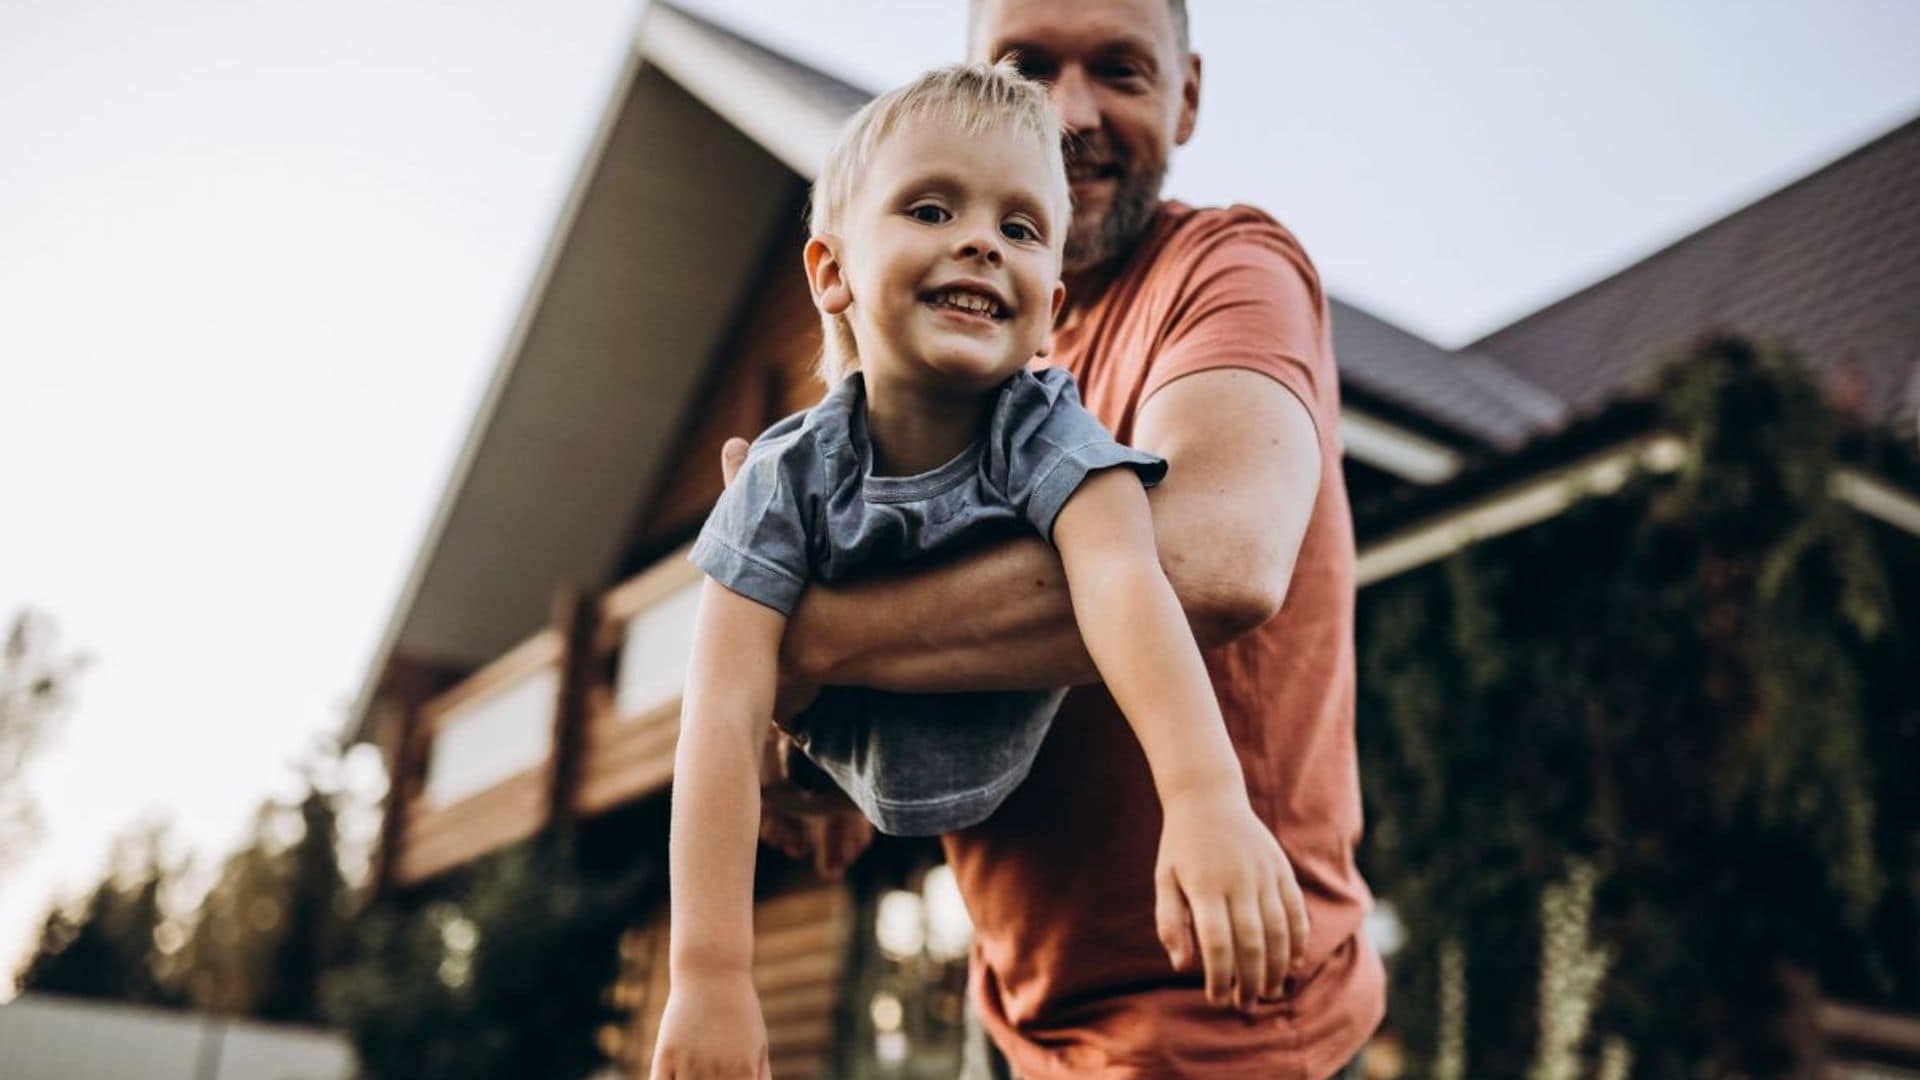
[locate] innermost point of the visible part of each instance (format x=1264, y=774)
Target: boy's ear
x=1053, y=316
x=826, y=278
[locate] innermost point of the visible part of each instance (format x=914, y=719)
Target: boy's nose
x=980, y=248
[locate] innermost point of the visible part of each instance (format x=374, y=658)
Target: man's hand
x=816, y=819
x=712, y=1027
x=797, y=821
x=1222, y=878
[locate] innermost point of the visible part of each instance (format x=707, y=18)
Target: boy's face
x=950, y=255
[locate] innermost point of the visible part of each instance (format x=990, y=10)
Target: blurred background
x=362, y=372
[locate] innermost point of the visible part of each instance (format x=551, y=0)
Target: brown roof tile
x=1830, y=263
x=1464, y=394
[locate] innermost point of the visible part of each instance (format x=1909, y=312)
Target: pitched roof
x=797, y=79
x=1831, y=263
x=1462, y=392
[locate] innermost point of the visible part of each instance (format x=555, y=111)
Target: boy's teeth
x=968, y=302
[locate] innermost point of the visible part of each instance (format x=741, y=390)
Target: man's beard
x=1136, y=194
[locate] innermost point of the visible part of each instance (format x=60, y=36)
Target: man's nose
x=1073, y=99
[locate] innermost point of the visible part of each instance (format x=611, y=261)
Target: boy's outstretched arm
x=1227, y=521
x=712, y=1024
x=1218, y=865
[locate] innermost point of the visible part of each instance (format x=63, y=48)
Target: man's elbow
x=1232, y=597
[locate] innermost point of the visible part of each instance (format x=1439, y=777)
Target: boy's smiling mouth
x=979, y=301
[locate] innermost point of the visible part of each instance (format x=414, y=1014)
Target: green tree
x=112, y=947
x=314, y=905
x=226, y=964
x=274, y=920
x=503, y=975
x=36, y=689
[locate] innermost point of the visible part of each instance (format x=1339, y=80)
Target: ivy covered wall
x=1627, y=768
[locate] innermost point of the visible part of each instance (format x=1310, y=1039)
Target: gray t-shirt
x=806, y=507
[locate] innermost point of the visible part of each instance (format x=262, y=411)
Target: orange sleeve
x=1248, y=297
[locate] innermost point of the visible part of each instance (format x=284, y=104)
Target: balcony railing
x=485, y=748
x=627, y=746
x=488, y=742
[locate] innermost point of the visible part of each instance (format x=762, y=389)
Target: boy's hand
x=1222, y=878
x=712, y=1027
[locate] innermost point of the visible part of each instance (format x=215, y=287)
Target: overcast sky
x=257, y=256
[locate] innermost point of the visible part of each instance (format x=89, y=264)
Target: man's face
x=1125, y=92
x=951, y=255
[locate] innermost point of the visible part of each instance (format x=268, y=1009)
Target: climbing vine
x=1692, y=695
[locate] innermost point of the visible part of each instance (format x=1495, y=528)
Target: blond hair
x=974, y=99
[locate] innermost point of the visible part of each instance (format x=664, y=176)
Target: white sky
x=256, y=257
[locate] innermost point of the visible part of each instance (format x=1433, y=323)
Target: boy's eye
x=1019, y=230
x=928, y=213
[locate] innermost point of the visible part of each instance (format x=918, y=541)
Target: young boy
x=938, y=226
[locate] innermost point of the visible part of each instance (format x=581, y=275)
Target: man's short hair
x=972, y=99
x=1177, y=8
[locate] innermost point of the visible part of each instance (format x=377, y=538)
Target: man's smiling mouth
x=1087, y=172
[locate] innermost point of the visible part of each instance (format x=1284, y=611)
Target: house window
x=653, y=659
x=492, y=738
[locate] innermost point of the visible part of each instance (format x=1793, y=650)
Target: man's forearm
x=1227, y=522
x=998, y=618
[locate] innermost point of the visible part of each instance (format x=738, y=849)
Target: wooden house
x=530, y=669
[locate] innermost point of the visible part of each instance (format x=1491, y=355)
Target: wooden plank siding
x=436, y=838
x=610, y=756
x=801, y=945
x=626, y=758
x=764, y=373
x=801, y=940
x=627, y=755
x=441, y=838
x=539, y=651
x=404, y=748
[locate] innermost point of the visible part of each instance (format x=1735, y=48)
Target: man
x=1200, y=336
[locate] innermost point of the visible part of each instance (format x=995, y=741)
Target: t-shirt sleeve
x=1250, y=298
x=755, y=540
x=1053, y=444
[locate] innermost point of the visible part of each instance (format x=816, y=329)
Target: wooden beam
x=1877, y=498
x=1527, y=503
x=788, y=126
x=650, y=586
x=536, y=652
x=409, y=686
x=576, y=620
x=1864, y=1029
x=1367, y=438
x=1546, y=496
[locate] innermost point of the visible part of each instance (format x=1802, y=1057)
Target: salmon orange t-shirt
x=1068, y=974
